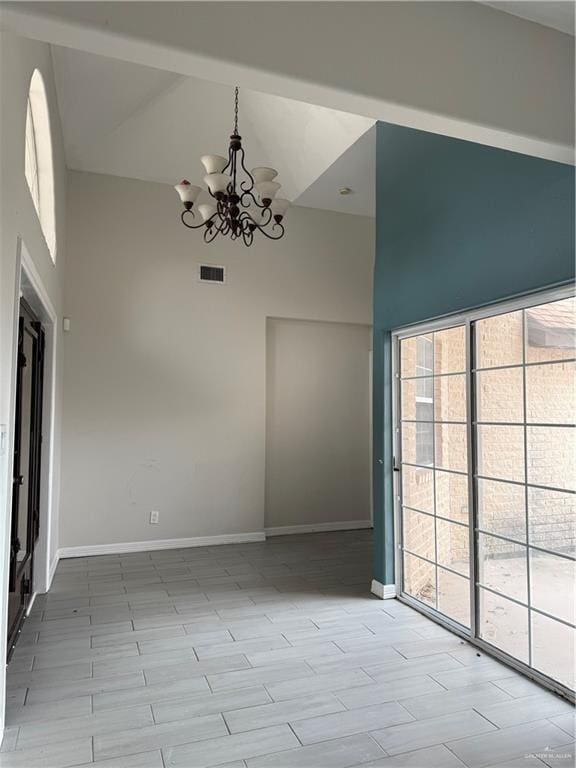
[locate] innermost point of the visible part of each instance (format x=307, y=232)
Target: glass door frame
x=466, y=319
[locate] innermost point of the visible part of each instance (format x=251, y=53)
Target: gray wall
x=19, y=222
x=165, y=378
x=318, y=423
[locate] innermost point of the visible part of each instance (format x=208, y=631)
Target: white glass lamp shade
x=217, y=182
x=187, y=192
x=279, y=206
x=263, y=174
x=206, y=211
x=267, y=189
x=214, y=163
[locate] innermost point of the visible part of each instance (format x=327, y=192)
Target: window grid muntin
x=525, y=424
x=511, y=540
x=437, y=516
x=432, y=376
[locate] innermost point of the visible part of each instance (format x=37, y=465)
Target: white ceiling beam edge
x=96, y=34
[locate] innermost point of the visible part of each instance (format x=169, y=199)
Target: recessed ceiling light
x=346, y=191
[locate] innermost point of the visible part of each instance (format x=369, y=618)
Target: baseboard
x=52, y=569
x=383, y=591
x=31, y=604
x=200, y=541
x=149, y=546
x=348, y=525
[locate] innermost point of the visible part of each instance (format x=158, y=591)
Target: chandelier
x=242, y=206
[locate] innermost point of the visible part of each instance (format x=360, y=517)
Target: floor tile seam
x=70, y=736
x=494, y=729
x=571, y=735
x=371, y=736
x=447, y=746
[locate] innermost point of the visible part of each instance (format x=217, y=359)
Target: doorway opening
x=27, y=459
x=317, y=426
x=485, y=453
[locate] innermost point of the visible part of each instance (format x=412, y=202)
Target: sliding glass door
x=525, y=385
x=486, y=481
x=434, y=469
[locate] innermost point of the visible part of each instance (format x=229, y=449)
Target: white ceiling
x=558, y=15
x=129, y=120
x=355, y=169
x=133, y=121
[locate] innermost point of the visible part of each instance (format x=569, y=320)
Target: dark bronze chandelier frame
x=229, y=219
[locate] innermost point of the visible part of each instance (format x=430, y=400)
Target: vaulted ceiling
x=556, y=14
x=129, y=120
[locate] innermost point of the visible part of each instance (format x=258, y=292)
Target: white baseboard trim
x=31, y=604
x=383, y=591
x=348, y=525
x=52, y=569
x=200, y=541
x=149, y=546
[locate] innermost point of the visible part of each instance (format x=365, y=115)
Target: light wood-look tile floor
x=267, y=655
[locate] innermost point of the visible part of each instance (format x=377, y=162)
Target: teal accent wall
x=458, y=225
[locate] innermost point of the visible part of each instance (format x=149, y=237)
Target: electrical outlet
x=154, y=517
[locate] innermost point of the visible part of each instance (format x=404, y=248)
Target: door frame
x=29, y=285
x=466, y=319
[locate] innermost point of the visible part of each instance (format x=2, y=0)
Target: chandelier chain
x=236, y=110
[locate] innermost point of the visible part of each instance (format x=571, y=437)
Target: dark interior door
x=26, y=475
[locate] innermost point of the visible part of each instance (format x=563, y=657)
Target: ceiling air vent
x=209, y=273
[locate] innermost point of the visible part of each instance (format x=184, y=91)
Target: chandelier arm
x=246, y=222
x=270, y=236
x=247, y=237
x=230, y=155
x=252, y=199
x=210, y=234
x=217, y=228
x=190, y=226
x=265, y=223
x=243, y=188
x=245, y=216
x=250, y=224
x=246, y=171
x=217, y=223
x=224, y=227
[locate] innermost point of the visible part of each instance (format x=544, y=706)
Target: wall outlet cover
x=154, y=517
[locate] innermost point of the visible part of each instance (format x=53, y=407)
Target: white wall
x=318, y=423
x=18, y=219
x=165, y=378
